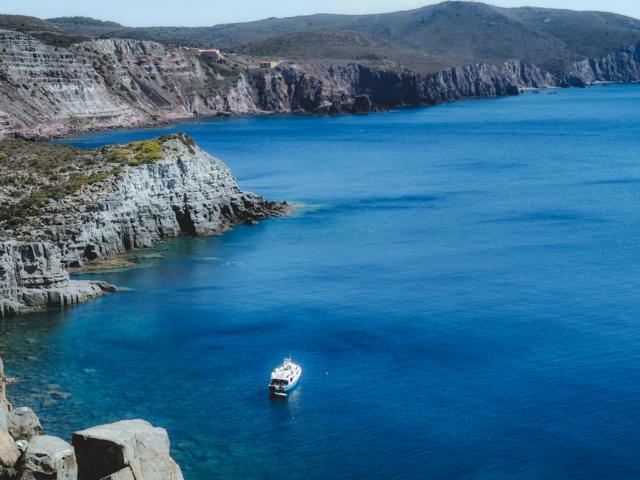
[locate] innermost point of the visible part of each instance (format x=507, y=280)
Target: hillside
x=425, y=39
x=42, y=30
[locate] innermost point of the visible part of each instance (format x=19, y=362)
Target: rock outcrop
x=137, y=195
x=32, y=276
x=620, y=66
x=127, y=449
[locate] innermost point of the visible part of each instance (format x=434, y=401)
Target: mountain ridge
x=425, y=39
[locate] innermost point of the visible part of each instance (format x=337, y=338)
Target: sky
x=213, y=12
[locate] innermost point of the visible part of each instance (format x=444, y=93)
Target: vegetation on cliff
x=35, y=173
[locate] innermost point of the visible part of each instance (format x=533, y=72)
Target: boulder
x=24, y=424
x=9, y=453
x=49, y=458
x=108, y=451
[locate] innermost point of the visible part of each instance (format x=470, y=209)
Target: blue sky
x=211, y=12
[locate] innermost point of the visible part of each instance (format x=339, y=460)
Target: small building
x=269, y=64
x=212, y=53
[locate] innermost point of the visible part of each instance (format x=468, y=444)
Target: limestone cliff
x=125, y=197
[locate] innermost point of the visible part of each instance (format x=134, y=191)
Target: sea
x=460, y=284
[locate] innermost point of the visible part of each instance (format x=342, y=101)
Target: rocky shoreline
x=84, y=206
x=125, y=450
x=48, y=91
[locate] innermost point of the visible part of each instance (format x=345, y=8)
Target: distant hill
x=82, y=21
x=425, y=39
x=41, y=29
x=23, y=23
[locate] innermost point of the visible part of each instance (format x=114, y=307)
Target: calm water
x=462, y=292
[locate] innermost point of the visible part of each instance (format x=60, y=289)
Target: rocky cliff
x=47, y=90
x=32, y=276
x=620, y=66
x=87, y=205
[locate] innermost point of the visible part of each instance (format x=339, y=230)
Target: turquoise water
x=461, y=291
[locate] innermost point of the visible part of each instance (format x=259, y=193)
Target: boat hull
x=285, y=389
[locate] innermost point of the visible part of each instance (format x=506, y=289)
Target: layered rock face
x=48, y=89
x=358, y=88
x=32, y=276
x=151, y=78
x=186, y=192
x=179, y=189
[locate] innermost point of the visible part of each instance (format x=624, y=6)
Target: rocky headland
x=62, y=207
x=48, y=90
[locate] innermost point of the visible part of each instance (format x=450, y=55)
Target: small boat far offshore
x=284, y=377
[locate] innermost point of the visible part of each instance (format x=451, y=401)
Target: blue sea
x=461, y=288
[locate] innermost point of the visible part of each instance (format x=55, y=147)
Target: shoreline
x=174, y=122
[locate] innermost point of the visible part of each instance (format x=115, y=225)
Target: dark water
x=462, y=292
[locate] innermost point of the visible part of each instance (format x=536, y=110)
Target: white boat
x=285, y=377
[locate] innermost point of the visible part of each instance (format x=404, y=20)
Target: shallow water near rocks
x=463, y=298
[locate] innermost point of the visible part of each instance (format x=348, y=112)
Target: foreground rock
x=49, y=458
x=69, y=206
x=9, y=455
x=127, y=449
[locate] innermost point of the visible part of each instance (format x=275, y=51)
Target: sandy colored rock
x=9, y=453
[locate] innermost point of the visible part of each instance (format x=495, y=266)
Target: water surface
x=462, y=292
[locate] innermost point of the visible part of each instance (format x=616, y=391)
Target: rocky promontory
x=62, y=207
